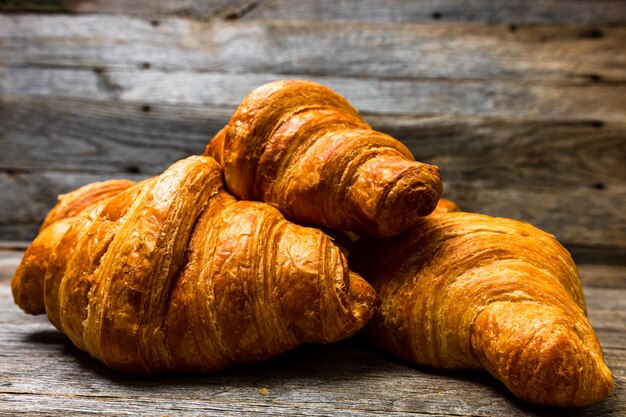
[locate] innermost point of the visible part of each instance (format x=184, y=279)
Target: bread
x=468, y=291
x=174, y=274
x=446, y=206
x=304, y=149
x=72, y=203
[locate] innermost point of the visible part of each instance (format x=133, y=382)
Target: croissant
x=464, y=290
x=304, y=149
x=173, y=273
x=446, y=206
x=74, y=202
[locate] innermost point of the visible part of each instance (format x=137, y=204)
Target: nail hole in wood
x=436, y=16
x=597, y=124
x=133, y=169
x=146, y=65
x=98, y=70
x=598, y=186
x=12, y=173
x=595, y=78
x=593, y=34
x=146, y=108
x=512, y=28
x=155, y=23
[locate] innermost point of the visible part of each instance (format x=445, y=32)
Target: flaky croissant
x=174, y=274
x=304, y=149
x=465, y=290
x=72, y=203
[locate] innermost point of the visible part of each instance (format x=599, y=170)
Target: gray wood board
x=574, y=54
x=103, y=136
x=482, y=11
x=27, y=197
x=43, y=374
x=576, y=216
x=152, y=8
x=399, y=97
x=108, y=136
x=515, y=11
x=525, y=122
x=566, y=177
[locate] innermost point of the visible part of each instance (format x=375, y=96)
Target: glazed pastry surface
x=304, y=149
x=174, y=274
x=469, y=291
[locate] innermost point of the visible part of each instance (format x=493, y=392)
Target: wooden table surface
x=42, y=373
x=521, y=103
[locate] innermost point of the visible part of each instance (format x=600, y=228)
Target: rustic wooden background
x=521, y=103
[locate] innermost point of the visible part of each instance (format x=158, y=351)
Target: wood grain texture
x=563, y=176
x=576, y=216
x=43, y=374
x=586, y=54
x=197, y=8
x=399, y=97
x=27, y=197
x=517, y=11
x=90, y=96
x=562, y=153
x=105, y=135
x=525, y=121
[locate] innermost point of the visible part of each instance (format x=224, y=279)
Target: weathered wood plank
x=567, y=177
x=600, y=255
x=346, y=378
x=103, y=136
x=609, y=299
x=530, y=152
x=609, y=324
x=425, y=97
x=198, y=8
x=575, y=215
x=586, y=55
x=146, y=92
x=603, y=276
x=9, y=259
x=516, y=11
x=76, y=134
x=27, y=197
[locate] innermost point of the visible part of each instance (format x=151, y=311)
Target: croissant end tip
x=541, y=357
x=415, y=194
x=365, y=300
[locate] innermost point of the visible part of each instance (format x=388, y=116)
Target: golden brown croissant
x=304, y=149
x=346, y=239
x=446, y=206
x=74, y=202
x=174, y=274
x=465, y=290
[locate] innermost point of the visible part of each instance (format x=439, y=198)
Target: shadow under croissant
x=312, y=368
x=343, y=360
